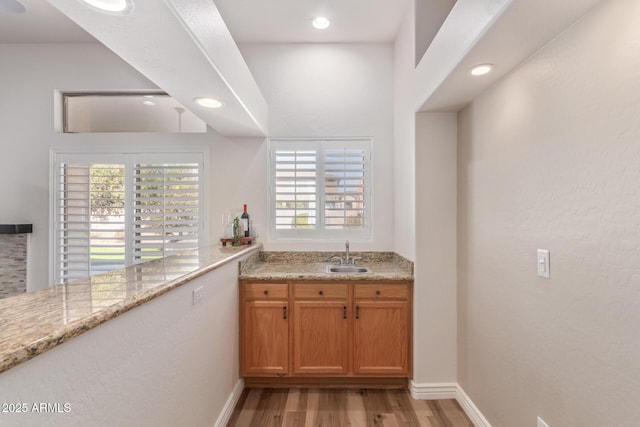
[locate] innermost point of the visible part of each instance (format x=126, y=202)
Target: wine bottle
x=245, y=221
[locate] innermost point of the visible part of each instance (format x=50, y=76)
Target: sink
x=347, y=269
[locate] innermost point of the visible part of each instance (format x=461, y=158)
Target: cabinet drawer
x=266, y=291
x=320, y=291
x=381, y=291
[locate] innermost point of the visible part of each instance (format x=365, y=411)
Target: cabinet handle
x=344, y=312
x=320, y=293
x=266, y=292
x=378, y=292
x=357, y=312
x=284, y=312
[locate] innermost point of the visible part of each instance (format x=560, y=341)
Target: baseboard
x=471, y=409
x=227, y=410
x=433, y=391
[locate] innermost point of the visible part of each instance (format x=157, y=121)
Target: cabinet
x=265, y=330
x=320, y=329
x=381, y=330
x=326, y=330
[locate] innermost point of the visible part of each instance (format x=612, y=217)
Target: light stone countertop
x=35, y=322
x=279, y=266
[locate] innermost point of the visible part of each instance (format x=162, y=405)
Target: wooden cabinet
x=381, y=330
x=265, y=330
x=320, y=330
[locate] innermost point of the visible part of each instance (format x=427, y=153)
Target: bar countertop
x=280, y=266
x=35, y=322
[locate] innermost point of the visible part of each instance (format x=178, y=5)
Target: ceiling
x=289, y=21
x=42, y=23
x=249, y=21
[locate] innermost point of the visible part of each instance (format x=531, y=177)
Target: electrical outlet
x=198, y=294
x=542, y=423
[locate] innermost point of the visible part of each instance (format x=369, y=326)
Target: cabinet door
x=381, y=338
x=321, y=338
x=265, y=338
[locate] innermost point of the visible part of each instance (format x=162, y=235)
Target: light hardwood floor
x=343, y=407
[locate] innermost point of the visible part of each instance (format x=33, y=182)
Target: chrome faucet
x=346, y=258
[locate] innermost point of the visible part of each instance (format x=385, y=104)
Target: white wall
x=165, y=363
x=404, y=128
x=550, y=158
x=435, y=269
x=30, y=75
x=330, y=90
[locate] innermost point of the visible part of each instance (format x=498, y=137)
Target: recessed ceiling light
x=480, y=70
x=208, y=102
x=111, y=6
x=321, y=23
x=149, y=103
x=12, y=6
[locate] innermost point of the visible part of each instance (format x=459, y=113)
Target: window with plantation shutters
x=320, y=188
x=115, y=210
x=166, y=209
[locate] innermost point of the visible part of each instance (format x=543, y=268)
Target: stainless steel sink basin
x=347, y=269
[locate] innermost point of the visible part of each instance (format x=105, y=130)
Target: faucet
x=347, y=258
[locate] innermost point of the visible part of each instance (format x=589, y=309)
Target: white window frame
x=320, y=233
x=201, y=155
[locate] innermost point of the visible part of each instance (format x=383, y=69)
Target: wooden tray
x=243, y=240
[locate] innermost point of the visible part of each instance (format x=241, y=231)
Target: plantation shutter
x=90, y=218
x=296, y=195
x=320, y=188
x=166, y=205
x=115, y=210
x=345, y=177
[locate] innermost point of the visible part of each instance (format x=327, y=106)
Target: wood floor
x=345, y=407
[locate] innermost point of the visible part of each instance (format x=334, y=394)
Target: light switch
x=544, y=269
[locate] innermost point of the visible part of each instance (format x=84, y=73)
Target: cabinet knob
x=378, y=293
x=320, y=292
x=266, y=292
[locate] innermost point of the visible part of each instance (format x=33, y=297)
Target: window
x=115, y=210
x=128, y=112
x=320, y=189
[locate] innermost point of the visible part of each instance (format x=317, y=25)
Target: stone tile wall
x=13, y=264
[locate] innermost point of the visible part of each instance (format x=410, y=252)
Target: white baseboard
x=227, y=410
x=471, y=409
x=433, y=391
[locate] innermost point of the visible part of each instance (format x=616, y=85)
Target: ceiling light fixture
x=149, y=103
x=12, y=6
x=481, y=70
x=321, y=23
x=117, y=7
x=208, y=102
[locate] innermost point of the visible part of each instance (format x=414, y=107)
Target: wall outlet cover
x=198, y=294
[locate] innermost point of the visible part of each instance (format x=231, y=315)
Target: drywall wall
x=429, y=16
x=435, y=267
x=331, y=90
x=31, y=74
x=549, y=159
x=404, y=129
x=165, y=363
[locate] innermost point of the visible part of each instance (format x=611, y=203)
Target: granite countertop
x=266, y=266
x=35, y=322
